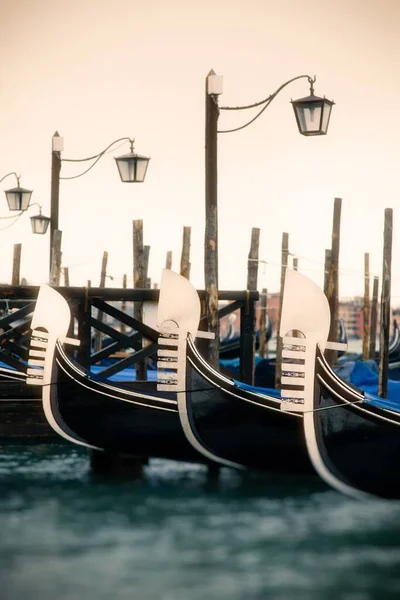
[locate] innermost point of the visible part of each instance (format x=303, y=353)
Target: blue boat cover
x=275, y=393
x=363, y=377
x=382, y=402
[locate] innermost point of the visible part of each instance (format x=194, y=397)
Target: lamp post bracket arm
x=266, y=102
x=12, y=216
x=12, y=173
x=100, y=154
x=311, y=80
x=249, y=122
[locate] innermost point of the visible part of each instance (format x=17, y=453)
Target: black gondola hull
x=232, y=426
x=358, y=443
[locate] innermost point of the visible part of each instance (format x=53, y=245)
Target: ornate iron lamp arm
x=96, y=157
x=12, y=173
x=267, y=101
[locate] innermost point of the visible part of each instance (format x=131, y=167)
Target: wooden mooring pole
x=146, y=258
x=211, y=222
x=56, y=147
x=55, y=271
x=66, y=276
x=185, y=257
x=385, y=304
x=263, y=317
x=252, y=262
x=252, y=283
x=100, y=316
x=327, y=269
x=333, y=280
x=16, y=269
x=366, y=310
x=138, y=282
x=123, y=303
x=279, y=344
x=168, y=261
x=374, y=319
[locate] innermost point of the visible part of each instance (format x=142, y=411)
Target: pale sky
x=98, y=70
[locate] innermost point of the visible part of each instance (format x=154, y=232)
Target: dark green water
x=67, y=536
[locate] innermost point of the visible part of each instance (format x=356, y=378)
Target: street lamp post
x=132, y=168
x=312, y=116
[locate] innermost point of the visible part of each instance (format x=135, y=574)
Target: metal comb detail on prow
x=293, y=373
x=301, y=373
x=168, y=361
x=37, y=356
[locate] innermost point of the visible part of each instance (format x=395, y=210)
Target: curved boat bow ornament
x=178, y=319
x=50, y=323
x=305, y=308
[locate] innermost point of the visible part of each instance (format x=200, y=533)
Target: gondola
x=192, y=413
x=353, y=438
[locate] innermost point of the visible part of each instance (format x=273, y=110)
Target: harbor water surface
x=173, y=535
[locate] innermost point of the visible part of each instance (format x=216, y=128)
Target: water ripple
x=173, y=536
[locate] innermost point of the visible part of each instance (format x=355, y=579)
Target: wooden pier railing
x=121, y=333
